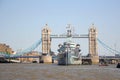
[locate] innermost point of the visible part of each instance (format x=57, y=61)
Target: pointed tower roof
x=46, y=28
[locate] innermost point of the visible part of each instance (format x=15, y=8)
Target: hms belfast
x=69, y=52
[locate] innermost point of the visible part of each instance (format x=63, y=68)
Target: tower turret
x=93, y=46
x=46, y=41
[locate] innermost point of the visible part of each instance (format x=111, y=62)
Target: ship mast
x=69, y=32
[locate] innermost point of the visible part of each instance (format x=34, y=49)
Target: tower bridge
x=91, y=36
x=46, y=41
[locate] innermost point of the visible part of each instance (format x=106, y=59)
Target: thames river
x=34, y=71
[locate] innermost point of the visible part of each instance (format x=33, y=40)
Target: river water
x=33, y=71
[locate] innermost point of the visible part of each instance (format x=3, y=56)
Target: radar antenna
x=70, y=30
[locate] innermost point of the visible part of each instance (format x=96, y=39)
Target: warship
x=69, y=52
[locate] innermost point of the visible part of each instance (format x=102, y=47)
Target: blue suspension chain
x=30, y=48
x=107, y=47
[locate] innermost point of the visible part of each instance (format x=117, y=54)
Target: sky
x=21, y=21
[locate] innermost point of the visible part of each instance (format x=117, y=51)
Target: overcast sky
x=21, y=21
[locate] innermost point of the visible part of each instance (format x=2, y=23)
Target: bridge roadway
x=83, y=57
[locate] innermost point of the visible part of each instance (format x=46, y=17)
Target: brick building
x=6, y=48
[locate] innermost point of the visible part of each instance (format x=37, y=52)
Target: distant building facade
x=6, y=48
x=30, y=60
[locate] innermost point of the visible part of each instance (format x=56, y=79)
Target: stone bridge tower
x=93, y=46
x=46, y=45
x=46, y=41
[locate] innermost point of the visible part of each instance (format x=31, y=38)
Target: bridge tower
x=46, y=44
x=93, y=46
x=46, y=41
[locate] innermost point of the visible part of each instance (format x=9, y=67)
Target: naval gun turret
x=69, y=53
